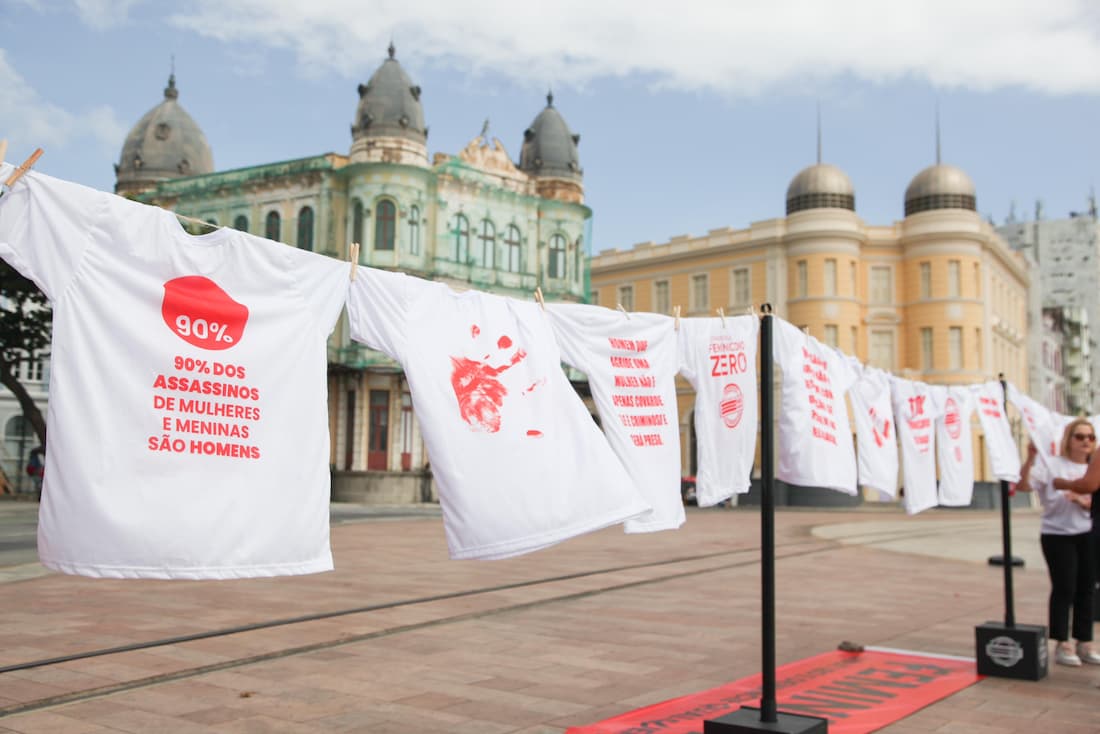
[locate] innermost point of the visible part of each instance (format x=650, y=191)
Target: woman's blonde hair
x=1067, y=435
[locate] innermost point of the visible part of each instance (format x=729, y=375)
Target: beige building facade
x=938, y=296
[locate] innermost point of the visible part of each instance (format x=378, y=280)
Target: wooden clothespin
x=538, y=298
x=722, y=315
x=353, y=254
x=3, y=148
x=676, y=314
x=620, y=307
x=18, y=173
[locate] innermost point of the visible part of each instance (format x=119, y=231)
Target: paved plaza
x=401, y=639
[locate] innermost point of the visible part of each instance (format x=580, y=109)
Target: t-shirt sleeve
x=569, y=323
x=44, y=228
x=687, y=341
x=378, y=307
x=786, y=340
x=323, y=282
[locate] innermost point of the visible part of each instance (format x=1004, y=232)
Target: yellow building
x=937, y=296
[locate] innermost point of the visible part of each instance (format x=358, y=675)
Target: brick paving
x=617, y=622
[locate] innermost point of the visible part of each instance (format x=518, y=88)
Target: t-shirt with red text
x=915, y=412
x=954, y=450
x=876, y=434
x=718, y=358
x=1004, y=456
x=188, y=421
x=519, y=461
x=631, y=365
x=815, y=438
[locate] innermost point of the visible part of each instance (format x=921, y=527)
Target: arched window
x=556, y=266
x=305, y=228
x=273, y=227
x=241, y=223
x=385, y=222
x=462, y=238
x=414, y=230
x=486, y=245
x=357, y=221
x=512, y=249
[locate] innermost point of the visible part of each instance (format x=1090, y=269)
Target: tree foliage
x=25, y=320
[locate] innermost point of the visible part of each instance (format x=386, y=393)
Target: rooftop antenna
x=819, y=131
x=937, y=131
x=1092, y=202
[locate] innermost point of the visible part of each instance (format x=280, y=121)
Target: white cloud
x=28, y=119
x=103, y=14
x=737, y=48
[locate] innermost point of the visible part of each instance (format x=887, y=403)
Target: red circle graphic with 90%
x=198, y=311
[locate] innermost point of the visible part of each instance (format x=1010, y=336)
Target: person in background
x=1089, y=484
x=1065, y=537
x=36, y=466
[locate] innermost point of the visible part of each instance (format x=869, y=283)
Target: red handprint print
x=480, y=394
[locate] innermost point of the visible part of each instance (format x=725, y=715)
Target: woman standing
x=1067, y=547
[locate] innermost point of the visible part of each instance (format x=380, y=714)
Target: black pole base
x=746, y=720
x=1017, y=652
x=1000, y=561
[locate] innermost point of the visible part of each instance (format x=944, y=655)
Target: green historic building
x=474, y=219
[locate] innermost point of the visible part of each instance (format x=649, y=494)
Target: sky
x=693, y=115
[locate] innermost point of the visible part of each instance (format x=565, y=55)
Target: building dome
x=166, y=143
x=820, y=186
x=549, y=148
x=389, y=106
x=940, y=187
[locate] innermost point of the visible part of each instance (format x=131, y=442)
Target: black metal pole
x=767, y=521
x=1006, y=530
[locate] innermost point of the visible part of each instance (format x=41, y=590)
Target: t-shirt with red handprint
x=519, y=462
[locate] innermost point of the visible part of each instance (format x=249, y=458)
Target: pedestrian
x=36, y=466
x=1089, y=484
x=1065, y=537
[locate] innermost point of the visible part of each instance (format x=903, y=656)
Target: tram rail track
x=666, y=570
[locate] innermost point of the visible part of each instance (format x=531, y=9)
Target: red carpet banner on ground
x=857, y=692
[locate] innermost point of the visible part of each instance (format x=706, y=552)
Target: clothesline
x=236, y=415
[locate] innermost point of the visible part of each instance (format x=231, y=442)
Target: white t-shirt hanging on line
x=915, y=412
x=519, y=461
x=1004, y=456
x=815, y=438
x=631, y=365
x=954, y=449
x=876, y=434
x=1044, y=426
x=718, y=358
x=188, y=421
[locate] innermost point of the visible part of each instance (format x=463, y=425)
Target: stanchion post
x=1009, y=650
x=767, y=718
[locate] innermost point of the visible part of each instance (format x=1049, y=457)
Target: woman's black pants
x=1070, y=562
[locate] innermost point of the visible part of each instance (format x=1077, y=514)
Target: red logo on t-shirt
x=480, y=394
x=880, y=430
x=198, y=311
x=732, y=405
x=951, y=419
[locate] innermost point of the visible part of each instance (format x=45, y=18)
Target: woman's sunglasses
x=1085, y=436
